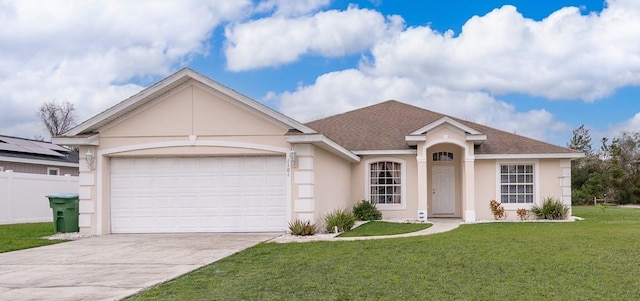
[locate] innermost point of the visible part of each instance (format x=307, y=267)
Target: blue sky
x=537, y=68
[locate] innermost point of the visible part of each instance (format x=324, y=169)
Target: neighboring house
x=191, y=155
x=36, y=157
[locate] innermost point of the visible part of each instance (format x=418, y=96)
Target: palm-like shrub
x=342, y=219
x=302, y=228
x=551, y=209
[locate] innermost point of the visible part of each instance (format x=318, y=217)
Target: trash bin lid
x=63, y=196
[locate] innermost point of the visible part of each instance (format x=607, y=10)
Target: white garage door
x=208, y=194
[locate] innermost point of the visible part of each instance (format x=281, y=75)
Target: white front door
x=443, y=190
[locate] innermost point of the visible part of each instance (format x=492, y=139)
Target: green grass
x=595, y=259
x=375, y=228
x=23, y=236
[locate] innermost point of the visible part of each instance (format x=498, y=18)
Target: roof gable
x=168, y=85
x=470, y=133
x=445, y=120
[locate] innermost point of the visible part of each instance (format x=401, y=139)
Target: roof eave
x=378, y=152
x=571, y=156
x=477, y=139
x=78, y=140
x=413, y=139
x=325, y=143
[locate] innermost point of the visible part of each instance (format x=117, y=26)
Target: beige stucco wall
x=332, y=185
x=550, y=176
x=191, y=121
x=358, y=191
x=485, y=180
x=193, y=110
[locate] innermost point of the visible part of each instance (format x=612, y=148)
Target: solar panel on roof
x=15, y=141
x=11, y=147
x=27, y=146
x=42, y=151
x=56, y=147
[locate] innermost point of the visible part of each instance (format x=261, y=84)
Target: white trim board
x=37, y=161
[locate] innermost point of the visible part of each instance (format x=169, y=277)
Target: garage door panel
x=213, y=194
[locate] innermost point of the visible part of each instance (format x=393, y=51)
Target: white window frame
x=536, y=183
x=50, y=169
x=442, y=157
x=1, y=168
x=403, y=183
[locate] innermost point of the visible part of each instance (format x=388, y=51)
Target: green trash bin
x=65, y=211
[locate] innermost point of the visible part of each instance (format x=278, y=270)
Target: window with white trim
x=53, y=171
x=442, y=156
x=1, y=168
x=385, y=182
x=516, y=183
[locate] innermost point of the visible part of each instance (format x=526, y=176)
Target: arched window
x=442, y=156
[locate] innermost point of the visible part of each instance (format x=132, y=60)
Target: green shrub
x=366, y=211
x=302, y=228
x=342, y=219
x=551, y=209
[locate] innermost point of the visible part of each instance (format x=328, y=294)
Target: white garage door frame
x=190, y=142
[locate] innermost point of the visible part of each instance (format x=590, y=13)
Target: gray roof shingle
x=384, y=126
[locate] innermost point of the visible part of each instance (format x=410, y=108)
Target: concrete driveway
x=114, y=266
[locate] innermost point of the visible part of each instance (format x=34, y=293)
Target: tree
x=581, y=140
x=623, y=167
x=57, y=117
x=614, y=169
x=582, y=183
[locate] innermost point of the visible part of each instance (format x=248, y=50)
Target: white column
x=303, y=179
x=469, y=190
x=565, y=183
x=422, y=184
x=87, y=202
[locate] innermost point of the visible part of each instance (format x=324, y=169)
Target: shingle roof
x=384, y=126
x=16, y=147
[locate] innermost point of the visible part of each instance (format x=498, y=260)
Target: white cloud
x=615, y=130
x=278, y=40
x=565, y=56
x=85, y=52
x=346, y=90
x=290, y=8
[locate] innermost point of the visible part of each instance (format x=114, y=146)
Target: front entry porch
x=446, y=177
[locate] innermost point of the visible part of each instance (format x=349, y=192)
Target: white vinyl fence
x=23, y=196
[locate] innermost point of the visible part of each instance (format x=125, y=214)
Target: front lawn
x=595, y=259
x=24, y=236
x=376, y=228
